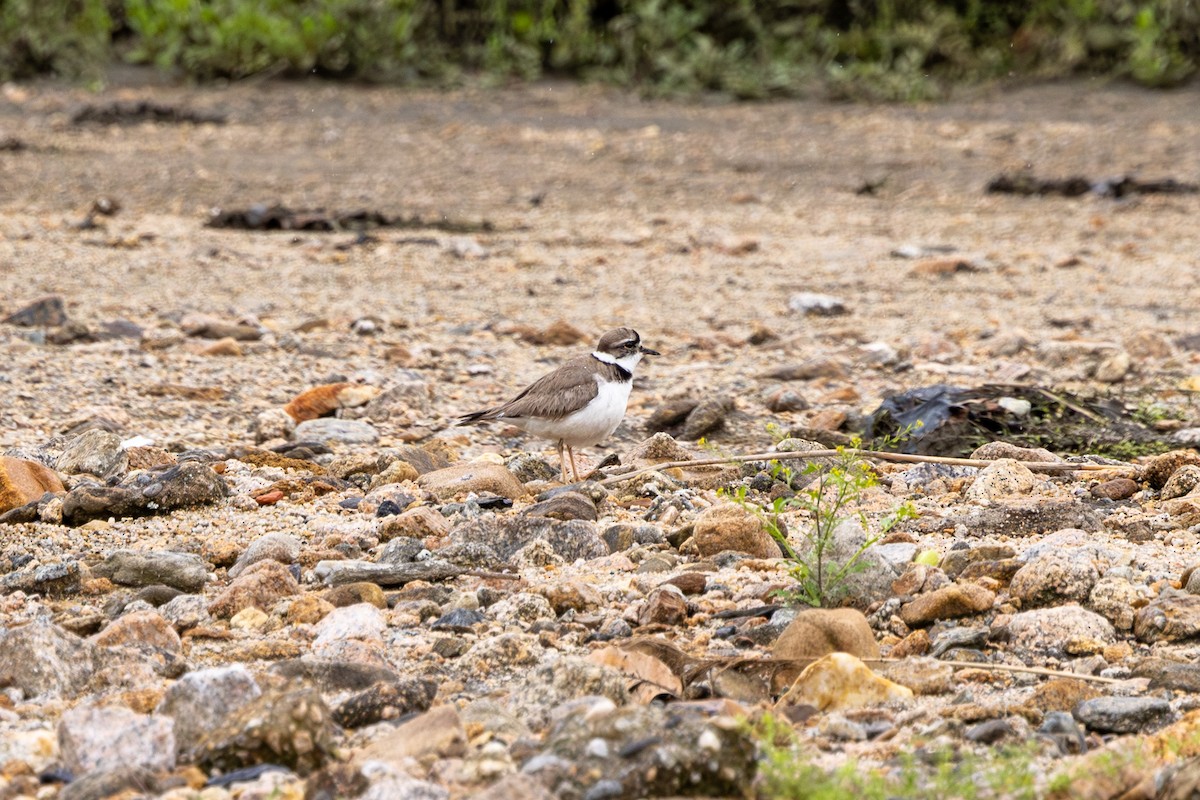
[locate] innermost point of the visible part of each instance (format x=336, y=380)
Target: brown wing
x=557, y=394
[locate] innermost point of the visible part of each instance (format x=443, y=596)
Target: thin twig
x=1051, y=673
x=1036, y=466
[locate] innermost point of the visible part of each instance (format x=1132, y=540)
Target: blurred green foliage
x=879, y=49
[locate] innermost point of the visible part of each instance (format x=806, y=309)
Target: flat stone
x=274, y=546
x=95, y=452
x=564, y=506
x=954, y=600
x=840, y=681
x=261, y=586
x=201, y=702
x=45, y=312
x=480, y=477
x=1003, y=479
x=1054, y=578
x=183, y=571
x=1172, y=616
x=506, y=536
x=1048, y=629
x=1123, y=714
x=328, y=430
x=41, y=658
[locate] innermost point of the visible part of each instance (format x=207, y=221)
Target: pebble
x=1055, y=578
x=505, y=536
x=840, y=681
x=23, y=481
x=275, y=546
x=201, y=702
x=819, y=305
x=41, y=658
x=1172, y=616
x=260, y=585
x=954, y=600
x=95, y=452
x=1048, y=629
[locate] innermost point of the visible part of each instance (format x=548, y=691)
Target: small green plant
x=821, y=577
x=786, y=771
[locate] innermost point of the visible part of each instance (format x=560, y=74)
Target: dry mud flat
x=233, y=590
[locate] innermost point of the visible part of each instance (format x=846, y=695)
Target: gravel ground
x=557, y=212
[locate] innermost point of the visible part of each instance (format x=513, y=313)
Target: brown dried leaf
x=650, y=677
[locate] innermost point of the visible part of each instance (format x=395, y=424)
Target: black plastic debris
x=133, y=113
x=264, y=217
x=944, y=420
x=1022, y=183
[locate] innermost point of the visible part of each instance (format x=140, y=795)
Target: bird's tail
x=478, y=416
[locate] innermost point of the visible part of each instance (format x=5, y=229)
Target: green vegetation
x=889, y=49
x=786, y=771
x=821, y=578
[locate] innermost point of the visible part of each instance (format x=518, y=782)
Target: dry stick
x=1044, y=466
x=1052, y=673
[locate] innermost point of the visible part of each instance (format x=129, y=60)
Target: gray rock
x=107, y=737
x=1026, y=517
x=41, y=658
x=200, y=702
x=45, y=312
x=49, y=579
x=1175, y=675
x=527, y=467
x=183, y=571
x=1118, y=600
x=634, y=752
x=1003, y=479
x=1182, y=482
x=186, y=611
x=570, y=540
x=873, y=579
x=387, y=784
x=328, y=430
x=409, y=392
x=564, y=506
x=1048, y=629
x=1123, y=714
x=94, y=452
x=924, y=475
x=277, y=546
x=152, y=492
x=274, y=423
x=706, y=417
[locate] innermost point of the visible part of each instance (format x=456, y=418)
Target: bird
x=579, y=404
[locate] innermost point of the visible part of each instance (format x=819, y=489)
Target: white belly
x=590, y=425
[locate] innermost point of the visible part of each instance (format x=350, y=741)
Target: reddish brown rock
x=1116, y=489
x=665, y=606
x=23, y=481
x=416, y=523
x=261, y=585
x=916, y=643
x=324, y=400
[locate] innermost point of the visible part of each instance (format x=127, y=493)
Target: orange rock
x=322, y=401
x=23, y=481
x=270, y=498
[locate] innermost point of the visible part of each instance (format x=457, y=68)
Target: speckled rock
x=289, y=725
x=41, y=658
x=1055, y=578
x=362, y=623
x=1003, y=479
x=349, y=594
x=1182, y=482
x=385, y=701
x=480, y=477
x=1049, y=629
x=437, y=732
x=1116, y=489
x=659, y=447
x=276, y=546
x=634, y=752
x=507, y=535
x=94, y=738
x=1161, y=468
x=45, y=312
x=993, y=451
x=273, y=423
x=415, y=523
x=665, y=605
x=183, y=571
x=23, y=481
x=1170, y=617
x=260, y=585
x=200, y=702
x=93, y=452
x=183, y=485
x=729, y=526
x=948, y=602
x=1117, y=600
